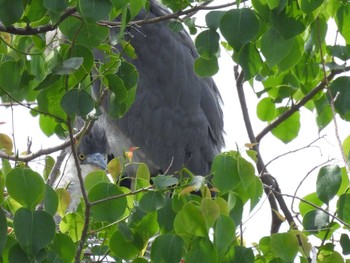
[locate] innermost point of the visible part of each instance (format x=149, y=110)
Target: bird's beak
x=98, y=160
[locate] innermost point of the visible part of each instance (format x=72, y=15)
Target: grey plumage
x=176, y=118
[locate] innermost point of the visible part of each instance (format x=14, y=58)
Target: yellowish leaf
x=115, y=168
x=6, y=143
x=63, y=201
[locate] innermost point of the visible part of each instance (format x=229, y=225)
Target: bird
x=92, y=151
x=176, y=119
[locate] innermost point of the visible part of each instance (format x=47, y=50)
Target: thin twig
x=271, y=186
x=332, y=215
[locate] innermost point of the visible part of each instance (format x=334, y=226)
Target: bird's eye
x=81, y=157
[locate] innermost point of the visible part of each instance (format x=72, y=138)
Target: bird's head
x=94, y=148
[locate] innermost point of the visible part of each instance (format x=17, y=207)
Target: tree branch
x=32, y=156
x=301, y=103
x=50, y=27
x=271, y=186
x=28, y=30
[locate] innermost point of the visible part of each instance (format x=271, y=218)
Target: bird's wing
x=176, y=118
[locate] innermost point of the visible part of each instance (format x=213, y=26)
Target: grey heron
x=176, y=119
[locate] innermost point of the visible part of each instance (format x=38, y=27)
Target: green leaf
x=49, y=100
x=341, y=52
x=243, y=254
x=288, y=25
x=109, y=210
x=26, y=187
x=136, y=6
x=16, y=254
x=167, y=249
x=47, y=125
x=224, y=234
x=210, y=211
x=68, y=66
x=55, y=5
x=324, y=112
x=125, y=248
x=288, y=130
x=34, y=12
x=94, y=10
x=285, y=246
x=246, y=172
x=207, y=43
x=3, y=230
x=10, y=74
x=124, y=92
x=11, y=11
x=190, y=221
x=143, y=177
x=293, y=56
x=72, y=224
x=255, y=192
x=343, y=21
x=310, y=198
x=225, y=173
x=33, y=229
x=77, y=102
x=48, y=81
x=262, y=8
x=266, y=109
x=235, y=207
x=213, y=18
x=95, y=178
x=273, y=3
x=116, y=85
x=307, y=6
x=162, y=182
x=328, y=182
x=64, y=246
x=343, y=207
x=128, y=73
x=340, y=89
x=344, y=182
x=175, y=26
x=206, y=67
x=239, y=27
x=201, y=251
x=50, y=200
x=345, y=244
x=152, y=201
x=275, y=48
x=49, y=164
x=250, y=61
x=315, y=220
x=89, y=35
x=166, y=216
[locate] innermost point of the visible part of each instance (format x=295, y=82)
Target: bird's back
x=176, y=118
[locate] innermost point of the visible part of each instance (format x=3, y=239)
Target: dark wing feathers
x=176, y=117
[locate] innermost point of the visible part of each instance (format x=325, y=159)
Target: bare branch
x=333, y=216
x=41, y=152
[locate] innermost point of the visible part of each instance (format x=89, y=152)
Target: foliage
x=281, y=44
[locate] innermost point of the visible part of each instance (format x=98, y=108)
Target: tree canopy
x=285, y=50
